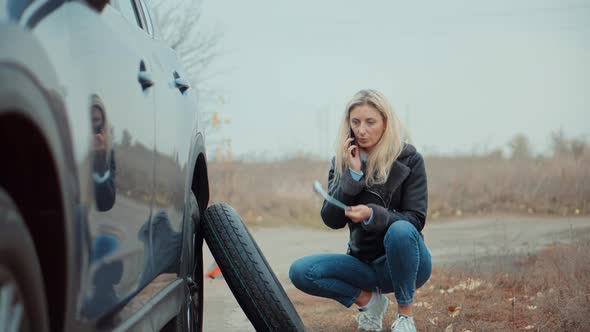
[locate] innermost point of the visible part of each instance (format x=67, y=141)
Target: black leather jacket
x=404, y=196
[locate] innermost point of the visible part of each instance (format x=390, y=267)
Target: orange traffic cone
x=215, y=273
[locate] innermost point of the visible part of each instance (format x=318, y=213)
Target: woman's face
x=368, y=125
x=97, y=121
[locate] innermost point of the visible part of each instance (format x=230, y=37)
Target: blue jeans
x=405, y=267
x=104, y=244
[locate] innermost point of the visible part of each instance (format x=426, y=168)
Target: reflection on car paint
x=162, y=247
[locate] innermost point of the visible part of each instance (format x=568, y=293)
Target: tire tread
x=251, y=279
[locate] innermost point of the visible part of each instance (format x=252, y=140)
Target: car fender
x=30, y=89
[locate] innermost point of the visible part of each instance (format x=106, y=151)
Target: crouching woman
x=383, y=180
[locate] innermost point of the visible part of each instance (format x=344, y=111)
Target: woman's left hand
x=358, y=213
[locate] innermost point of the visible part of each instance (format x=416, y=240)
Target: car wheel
x=22, y=297
x=247, y=272
x=190, y=317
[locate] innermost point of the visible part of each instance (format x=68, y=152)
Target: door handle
x=181, y=84
x=143, y=77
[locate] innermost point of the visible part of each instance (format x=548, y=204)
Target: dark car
x=103, y=180
x=103, y=156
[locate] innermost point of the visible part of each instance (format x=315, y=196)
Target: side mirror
x=97, y=4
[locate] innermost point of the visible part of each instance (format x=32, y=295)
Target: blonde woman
x=104, y=166
x=383, y=180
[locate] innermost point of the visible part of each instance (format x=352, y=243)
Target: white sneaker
x=371, y=319
x=403, y=323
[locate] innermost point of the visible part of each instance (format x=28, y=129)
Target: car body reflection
x=161, y=247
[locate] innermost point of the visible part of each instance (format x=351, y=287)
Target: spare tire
x=246, y=271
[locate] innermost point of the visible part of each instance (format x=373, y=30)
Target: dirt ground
x=484, y=244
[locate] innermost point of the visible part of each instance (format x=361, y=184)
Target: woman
x=383, y=180
x=104, y=166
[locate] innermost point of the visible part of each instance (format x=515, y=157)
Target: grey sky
x=462, y=75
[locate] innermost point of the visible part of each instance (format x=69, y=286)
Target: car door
x=162, y=233
x=134, y=151
x=111, y=74
x=175, y=120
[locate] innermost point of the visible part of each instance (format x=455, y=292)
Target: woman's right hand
x=99, y=142
x=352, y=155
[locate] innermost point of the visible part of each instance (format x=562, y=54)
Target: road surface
x=467, y=243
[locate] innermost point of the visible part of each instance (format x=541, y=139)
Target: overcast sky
x=463, y=75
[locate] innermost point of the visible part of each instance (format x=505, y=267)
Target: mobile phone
x=353, y=142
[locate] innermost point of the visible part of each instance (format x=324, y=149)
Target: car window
x=128, y=10
x=148, y=19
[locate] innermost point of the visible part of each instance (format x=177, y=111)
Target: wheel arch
x=39, y=173
x=199, y=177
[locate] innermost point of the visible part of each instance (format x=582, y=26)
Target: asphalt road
x=483, y=243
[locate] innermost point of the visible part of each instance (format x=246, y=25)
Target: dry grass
x=492, y=185
x=274, y=193
x=547, y=292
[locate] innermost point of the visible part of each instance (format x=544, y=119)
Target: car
x=104, y=194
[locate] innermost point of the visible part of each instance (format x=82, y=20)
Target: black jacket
x=404, y=196
x=105, y=191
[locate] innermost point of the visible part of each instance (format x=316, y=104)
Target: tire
x=20, y=273
x=247, y=272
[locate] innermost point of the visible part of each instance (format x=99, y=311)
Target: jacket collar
x=397, y=174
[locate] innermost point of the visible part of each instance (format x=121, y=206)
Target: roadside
x=472, y=245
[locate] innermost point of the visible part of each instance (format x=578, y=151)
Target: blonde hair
x=96, y=104
x=385, y=152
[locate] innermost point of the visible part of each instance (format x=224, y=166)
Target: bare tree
x=559, y=143
x=520, y=147
x=127, y=140
x=576, y=147
x=179, y=23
